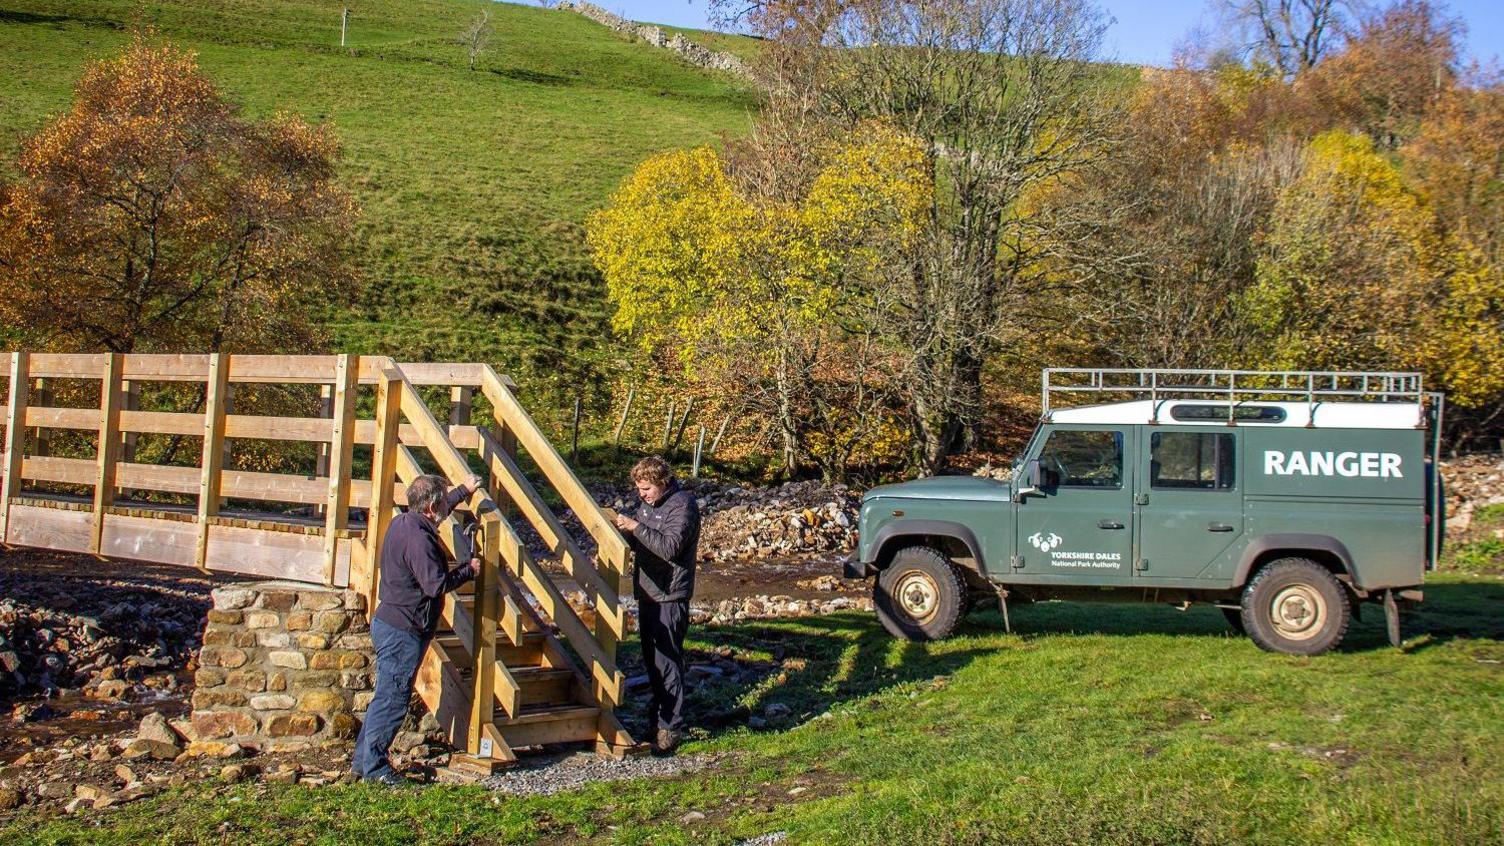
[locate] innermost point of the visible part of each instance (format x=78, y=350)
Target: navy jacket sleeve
x=431, y=570
x=668, y=542
x=451, y=501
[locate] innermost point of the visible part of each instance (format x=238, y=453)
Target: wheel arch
x=956, y=540
x=1323, y=549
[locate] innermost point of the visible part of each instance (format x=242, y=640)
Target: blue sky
x=1144, y=32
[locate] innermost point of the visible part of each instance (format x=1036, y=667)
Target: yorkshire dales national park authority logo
x=1045, y=543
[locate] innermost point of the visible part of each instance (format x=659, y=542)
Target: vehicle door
x=1190, y=504
x=1077, y=527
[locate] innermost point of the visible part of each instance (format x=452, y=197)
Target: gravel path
x=545, y=774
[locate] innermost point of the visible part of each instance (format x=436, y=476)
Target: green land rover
x=1287, y=499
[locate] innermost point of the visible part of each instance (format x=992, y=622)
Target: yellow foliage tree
x=768, y=298
x=1356, y=272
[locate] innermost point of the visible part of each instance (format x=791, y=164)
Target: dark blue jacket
x=415, y=572
x=665, y=544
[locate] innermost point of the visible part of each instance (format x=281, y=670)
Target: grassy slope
x=473, y=185
x=1090, y=724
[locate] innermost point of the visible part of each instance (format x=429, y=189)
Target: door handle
x=1109, y=524
x=1218, y=527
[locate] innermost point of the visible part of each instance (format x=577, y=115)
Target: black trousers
x=662, y=626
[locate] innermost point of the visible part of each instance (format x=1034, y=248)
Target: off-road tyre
x=1296, y=606
x=1234, y=619
x=921, y=595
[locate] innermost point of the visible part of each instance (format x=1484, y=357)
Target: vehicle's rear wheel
x=1296, y=606
x=920, y=595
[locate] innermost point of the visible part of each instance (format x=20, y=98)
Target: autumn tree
x=770, y=296
x=1355, y=272
x=1457, y=162
x=1291, y=36
x=1004, y=98
x=153, y=216
x=1154, y=243
x=1390, y=73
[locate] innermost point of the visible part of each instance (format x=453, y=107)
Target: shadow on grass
x=535, y=77
x=808, y=665
x=813, y=664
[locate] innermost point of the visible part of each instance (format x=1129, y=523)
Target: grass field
x=473, y=185
x=1087, y=725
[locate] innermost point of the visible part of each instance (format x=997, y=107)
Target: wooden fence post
x=111, y=398
x=216, y=400
x=622, y=424
x=341, y=452
x=15, y=435
x=699, y=448
x=668, y=427
x=574, y=439
x=715, y=444
x=383, y=473
x=461, y=404
x=689, y=407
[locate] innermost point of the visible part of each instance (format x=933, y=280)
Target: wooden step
x=544, y=685
x=541, y=724
x=529, y=653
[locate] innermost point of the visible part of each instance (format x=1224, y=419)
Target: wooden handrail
x=611, y=545
x=521, y=492
x=602, y=666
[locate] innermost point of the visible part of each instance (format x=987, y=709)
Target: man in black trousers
x=664, y=533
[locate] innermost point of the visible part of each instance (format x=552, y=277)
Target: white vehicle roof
x=1325, y=415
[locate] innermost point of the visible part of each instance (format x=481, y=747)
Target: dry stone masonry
x=695, y=54
x=283, y=666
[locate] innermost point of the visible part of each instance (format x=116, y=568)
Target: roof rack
x=1234, y=386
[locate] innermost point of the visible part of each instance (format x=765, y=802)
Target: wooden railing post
x=483, y=637
x=15, y=436
x=383, y=472
x=111, y=396
x=42, y=434
x=321, y=463
x=341, y=450
x=211, y=464
x=130, y=401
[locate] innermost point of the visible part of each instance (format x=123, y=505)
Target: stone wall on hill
x=283, y=666
x=691, y=52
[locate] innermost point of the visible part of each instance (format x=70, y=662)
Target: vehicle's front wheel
x=920, y=595
x=1296, y=606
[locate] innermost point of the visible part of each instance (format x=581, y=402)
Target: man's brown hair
x=653, y=470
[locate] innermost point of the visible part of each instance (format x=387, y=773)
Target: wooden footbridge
x=514, y=665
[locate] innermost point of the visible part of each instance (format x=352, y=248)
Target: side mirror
x=1028, y=481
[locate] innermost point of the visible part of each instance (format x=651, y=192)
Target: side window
x=1084, y=459
x=1191, y=461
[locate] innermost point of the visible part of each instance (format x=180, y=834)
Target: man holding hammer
x=415, y=576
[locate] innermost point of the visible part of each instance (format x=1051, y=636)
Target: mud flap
x=1392, y=618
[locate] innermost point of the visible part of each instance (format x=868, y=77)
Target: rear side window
x=1218, y=413
x=1084, y=459
x=1191, y=461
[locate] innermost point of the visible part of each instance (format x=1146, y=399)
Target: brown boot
x=667, y=741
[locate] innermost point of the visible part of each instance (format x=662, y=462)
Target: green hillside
x=473, y=185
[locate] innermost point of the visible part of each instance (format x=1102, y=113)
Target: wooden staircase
x=514, y=665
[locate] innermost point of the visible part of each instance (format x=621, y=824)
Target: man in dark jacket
x=664, y=533
x=415, y=576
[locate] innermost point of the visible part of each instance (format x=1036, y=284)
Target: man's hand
x=625, y=523
x=473, y=483
x=475, y=563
